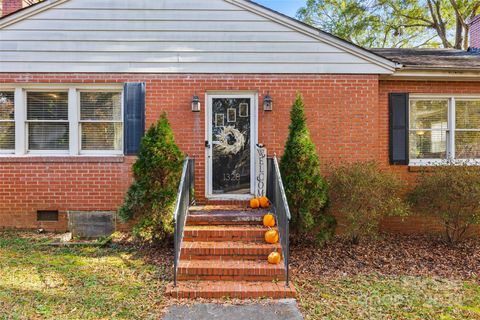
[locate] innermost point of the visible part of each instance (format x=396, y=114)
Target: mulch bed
x=388, y=255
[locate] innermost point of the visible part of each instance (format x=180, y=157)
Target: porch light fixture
x=267, y=103
x=195, y=103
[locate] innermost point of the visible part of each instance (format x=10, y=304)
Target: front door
x=231, y=139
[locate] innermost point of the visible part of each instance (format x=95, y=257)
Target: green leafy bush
x=157, y=171
x=305, y=188
x=365, y=194
x=451, y=192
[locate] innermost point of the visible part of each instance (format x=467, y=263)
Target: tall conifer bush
x=306, y=189
x=151, y=198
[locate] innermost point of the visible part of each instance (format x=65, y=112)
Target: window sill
x=61, y=159
x=430, y=166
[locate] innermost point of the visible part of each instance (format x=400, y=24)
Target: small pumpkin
x=264, y=203
x=269, y=220
x=274, y=258
x=254, y=203
x=271, y=236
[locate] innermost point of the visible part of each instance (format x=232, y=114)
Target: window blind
x=47, y=120
x=101, y=121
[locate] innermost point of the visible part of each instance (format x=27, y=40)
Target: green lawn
x=38, y=281
x=387, y=297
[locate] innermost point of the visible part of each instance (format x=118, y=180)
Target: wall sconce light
x=267, y=103
x=195, y=103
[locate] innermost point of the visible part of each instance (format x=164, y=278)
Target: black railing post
x=276, y=195
x=287, y=256
x=184, y=199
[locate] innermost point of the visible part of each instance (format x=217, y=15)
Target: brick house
x=80, y=80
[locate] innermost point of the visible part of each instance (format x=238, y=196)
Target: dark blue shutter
x=134, y=111
x=398, y=128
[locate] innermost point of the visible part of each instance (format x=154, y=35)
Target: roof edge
x=28, y=12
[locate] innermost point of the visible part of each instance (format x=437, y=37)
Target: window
x=467, y=126
x=47, y=121
x=55, y=119
x=101, y=121
x=428, y=129
x=444, y=128
x=7, y=121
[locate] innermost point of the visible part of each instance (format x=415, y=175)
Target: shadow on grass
x=37, y=280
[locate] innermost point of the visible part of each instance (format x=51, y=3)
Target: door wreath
x=230, y=141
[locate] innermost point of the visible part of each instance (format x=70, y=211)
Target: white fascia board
x=428, y=74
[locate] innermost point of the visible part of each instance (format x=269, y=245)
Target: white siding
x=167, y=36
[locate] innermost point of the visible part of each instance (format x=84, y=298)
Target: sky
x=288, y=7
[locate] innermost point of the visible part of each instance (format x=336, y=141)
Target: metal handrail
x=278, y=199
x=185, y=197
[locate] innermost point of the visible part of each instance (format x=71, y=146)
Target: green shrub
x=365, y=194
x=451, y=192
x=305, y=188
x=157, y=171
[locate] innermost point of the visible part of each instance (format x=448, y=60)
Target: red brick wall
x=347, y=116
x=9, y=6
x=342, y=112
x=31, y=184
x=475, y=32
x=413, y=224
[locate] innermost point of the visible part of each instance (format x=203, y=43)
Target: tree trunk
x=458, y=34
x=466, y=38
x=438, y=24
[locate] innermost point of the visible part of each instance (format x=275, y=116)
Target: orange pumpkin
x=264, y=203
x=254, y=203
x=274, y=258
x=271, y=236
x=269, y=220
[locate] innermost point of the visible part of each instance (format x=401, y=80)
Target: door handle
x=207, y=144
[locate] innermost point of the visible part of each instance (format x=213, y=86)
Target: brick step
x=231, y=289
x=227, y=250
x=224, y=233
x=245, y=270
x=225, y=215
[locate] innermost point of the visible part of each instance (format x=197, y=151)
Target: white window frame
x=21, y=128
x=79, y=122
x=9, y=151
x=451, y=130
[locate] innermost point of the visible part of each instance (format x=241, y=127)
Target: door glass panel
x=231, y=145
